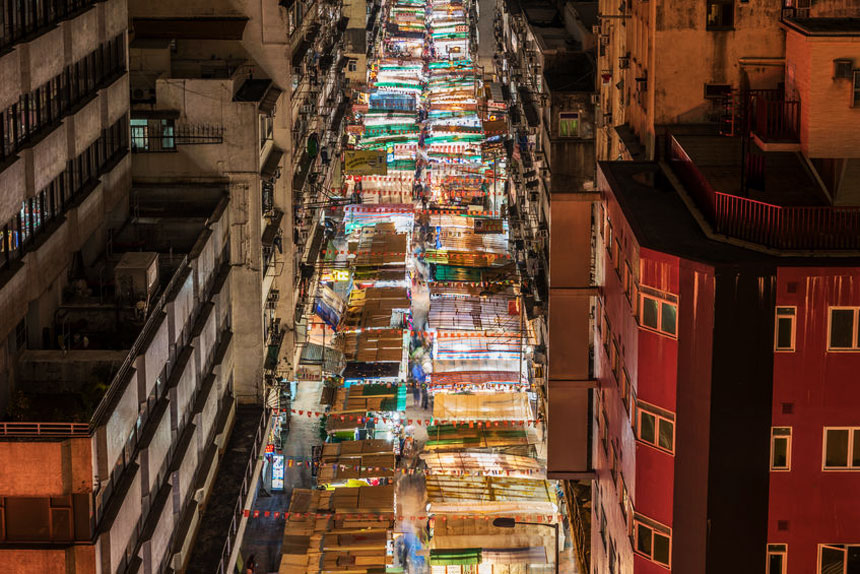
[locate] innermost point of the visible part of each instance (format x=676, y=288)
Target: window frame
x=843, y=547
x=720, y=26
x=793, y=318
x=659, y=415
x=773, y=438
x=772, y=550
x=571, y=116
x=855, y=346
x=850, y=467
x=664, y=531
x=660, y=302
x=855, y=88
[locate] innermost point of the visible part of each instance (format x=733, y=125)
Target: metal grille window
x=139, y=135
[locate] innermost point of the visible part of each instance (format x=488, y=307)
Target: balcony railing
x=26, y=429
x=775, y=226
x=777, y=120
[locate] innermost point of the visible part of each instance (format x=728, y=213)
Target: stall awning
x=270, y=166
x=197, y=28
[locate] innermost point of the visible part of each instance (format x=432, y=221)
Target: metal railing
x=22, y=429
x=238, y=510
x=777, y=120
x=775, y=226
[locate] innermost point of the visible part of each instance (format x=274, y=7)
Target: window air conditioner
x=843, y=68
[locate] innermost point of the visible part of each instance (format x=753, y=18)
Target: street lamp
x=503, y=522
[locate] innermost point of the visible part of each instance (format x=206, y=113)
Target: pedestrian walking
x=424, y=397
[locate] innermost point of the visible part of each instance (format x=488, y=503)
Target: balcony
x=787, y=214
x=776, y=122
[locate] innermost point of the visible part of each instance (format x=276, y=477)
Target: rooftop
x=825, y=26
x=109, y=304
x=787, y=179
x=661, y=220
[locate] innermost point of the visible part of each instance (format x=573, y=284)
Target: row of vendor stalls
x=424, y=186
x=482, y=456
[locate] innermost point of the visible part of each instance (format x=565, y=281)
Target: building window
x=842, y=329
x=838, y=558
x=168, y=140
x=717, y=91
x=780, y=448
x=656, y=427
x=785, y=328
x=568, y=124
x=721, y=14
x=139, y=135
x=855, y=91
x=653, y=540
x=352, y=65
x=842, y=448
x=777, y=555
x=659, y=315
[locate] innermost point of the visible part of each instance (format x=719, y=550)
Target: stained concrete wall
x=829, y=124
x=27, y=67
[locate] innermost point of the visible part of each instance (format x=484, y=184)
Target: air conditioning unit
x=624, y=62
x=843, y=68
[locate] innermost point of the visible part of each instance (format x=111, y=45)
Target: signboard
x=489, y=226
x=365, y=162
x=278, y=472
x=494, y=127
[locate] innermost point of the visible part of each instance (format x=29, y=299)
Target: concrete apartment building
x=249, y=97
x=547, y=65
x=210, y=104
x=115, y=443
x=64, y=170
x=363, y=26
x=688, y=64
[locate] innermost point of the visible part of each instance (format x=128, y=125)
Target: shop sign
x=365, y=162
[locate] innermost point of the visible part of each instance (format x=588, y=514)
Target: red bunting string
x=390, y=516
